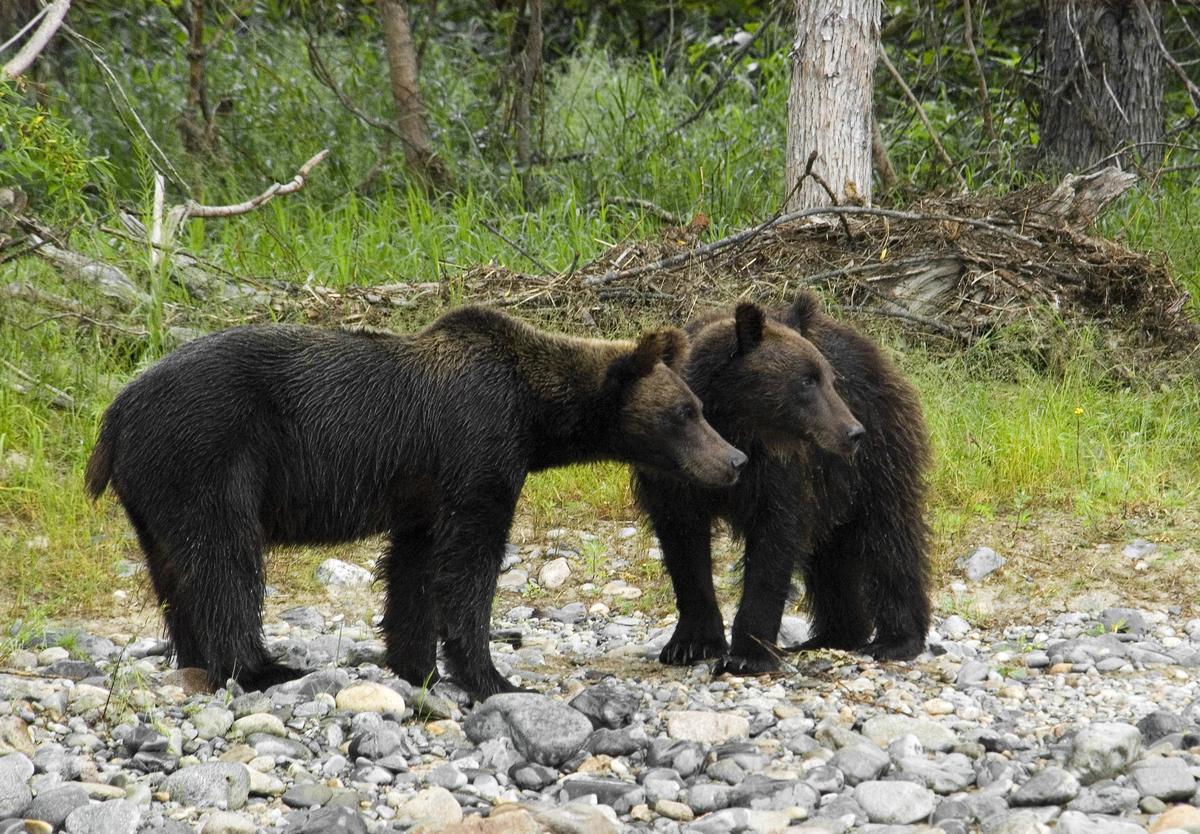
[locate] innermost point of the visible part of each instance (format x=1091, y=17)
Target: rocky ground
x=1087, y=721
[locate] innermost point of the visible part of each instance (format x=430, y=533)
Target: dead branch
x=53, y=18
x=908, y=93
x=649, y=207
x=727, y=72
x=321, y=72
x=193, y=209
x=23, y=383
x=923, y=321
x=110, y=83
x=710, y=249
x=521, y=249
x=108, y=279
x=985, y=100
x=1189, y=85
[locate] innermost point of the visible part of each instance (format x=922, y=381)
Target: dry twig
x=908, y=93
x=985, y=100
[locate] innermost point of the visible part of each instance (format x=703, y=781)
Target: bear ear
x=641, y=360
x=804, y=311
x=748, y=323
x=674, y=346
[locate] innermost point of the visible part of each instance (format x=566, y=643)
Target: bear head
x=768, y=382
x=660, y=424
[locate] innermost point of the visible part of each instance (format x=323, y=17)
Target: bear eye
x=808, y=380
x=686, y=412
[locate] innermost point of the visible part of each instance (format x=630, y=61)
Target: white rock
x=554, y=573
x=334, y=573
x=706, y=727
x=370, y=697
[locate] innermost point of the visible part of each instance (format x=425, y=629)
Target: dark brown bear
x=840, y=503
x=271, y=435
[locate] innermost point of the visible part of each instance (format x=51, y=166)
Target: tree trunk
x=531, y=67
x=830, y=101
x=410, y=109
x=1102, y=83
x=196, y=124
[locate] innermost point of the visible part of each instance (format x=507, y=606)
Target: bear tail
x=100, y=464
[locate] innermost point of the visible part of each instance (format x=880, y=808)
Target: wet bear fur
x=849, y=521
x=292, y=435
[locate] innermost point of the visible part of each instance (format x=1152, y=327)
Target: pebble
x=894, y=803
x=370, y=697
x=706, y=727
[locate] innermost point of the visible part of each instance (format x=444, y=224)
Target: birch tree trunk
x=830, y=100
x=410, y=108
x=1103, y=82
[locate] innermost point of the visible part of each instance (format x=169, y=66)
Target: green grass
x=1009, y=443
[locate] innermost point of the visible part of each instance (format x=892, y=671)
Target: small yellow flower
x=1078, y=410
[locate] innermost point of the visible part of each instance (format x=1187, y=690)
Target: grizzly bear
x=277, y=434
x=836, y=500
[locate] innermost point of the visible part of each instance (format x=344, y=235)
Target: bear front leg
x=410, y=625
x=767, y=577
x=684, y=529
x=467, y=558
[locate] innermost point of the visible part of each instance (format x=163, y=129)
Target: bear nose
x=738, y=461
x=856, y=432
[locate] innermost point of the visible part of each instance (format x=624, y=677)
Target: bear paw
x=268, y=675
x=897, y=648
x=684, y=651
x=741, y=665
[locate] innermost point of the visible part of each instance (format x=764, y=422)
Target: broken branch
x=193, y=209
x=908, y=93
x=53, y=18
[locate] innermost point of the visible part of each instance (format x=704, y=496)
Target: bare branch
x=53, y=18
x=647, y=206
x=322, y=73
x=193, y=209
x=985, y=100
x=908, y=93
x=727, y=73
x=23, y=383
x=1192, y=89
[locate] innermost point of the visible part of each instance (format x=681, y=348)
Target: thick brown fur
x=851, y=524
x=270, y=435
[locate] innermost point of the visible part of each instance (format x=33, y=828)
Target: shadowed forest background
x=555, y=144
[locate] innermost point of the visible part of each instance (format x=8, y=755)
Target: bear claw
x=687, y=652
x=742, y=666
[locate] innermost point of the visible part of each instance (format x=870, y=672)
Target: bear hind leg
x=834, y=596
x=410, y=624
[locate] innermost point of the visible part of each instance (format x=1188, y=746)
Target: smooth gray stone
x=116, y=816
x=1053, y=786
x=1166, y=778
x=543, y=730
x=54, y=806
x=16, y=769
x=860, y=763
